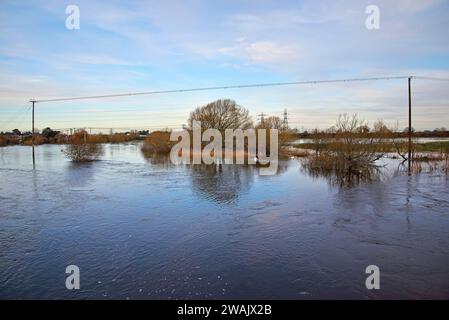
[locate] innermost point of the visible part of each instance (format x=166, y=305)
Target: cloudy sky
x=128, y=46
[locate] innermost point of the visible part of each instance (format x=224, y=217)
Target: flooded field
x=141, y=228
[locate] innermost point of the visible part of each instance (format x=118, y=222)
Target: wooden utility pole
x=32, y=132
x=32, y=122
x=409, y=126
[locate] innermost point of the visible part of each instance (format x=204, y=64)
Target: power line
x=272, y=84
x=430, y=78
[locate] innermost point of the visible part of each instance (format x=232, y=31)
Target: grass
x=436, y=146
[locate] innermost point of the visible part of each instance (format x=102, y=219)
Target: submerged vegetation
x=432, y=162
x=221, y=115
x=348, y=153
x=351, y=155
x=339, y=172
x=158, y=142
x=82, y=148
x=352, y=150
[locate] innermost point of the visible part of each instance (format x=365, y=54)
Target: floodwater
x=141, y=228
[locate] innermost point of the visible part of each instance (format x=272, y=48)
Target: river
x=142, y=228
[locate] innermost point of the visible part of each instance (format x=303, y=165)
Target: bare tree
x=271, y=123
x=351, y=156
x=357, y=146
x=221, y=115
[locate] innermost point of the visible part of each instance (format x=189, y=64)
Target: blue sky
x=125, y=46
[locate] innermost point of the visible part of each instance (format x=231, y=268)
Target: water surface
x=141, y=228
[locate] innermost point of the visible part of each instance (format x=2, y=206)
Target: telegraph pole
x=32, y=131
x=409, y=126
x=32, y=122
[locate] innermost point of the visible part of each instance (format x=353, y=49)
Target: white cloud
x=263, y=51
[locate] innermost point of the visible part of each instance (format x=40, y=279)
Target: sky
x=132, y=46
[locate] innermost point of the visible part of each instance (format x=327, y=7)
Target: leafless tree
x=221, y=115
x=271, y=123
x=354, y=144
x=352, y=149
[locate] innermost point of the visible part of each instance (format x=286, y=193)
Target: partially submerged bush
x=338, y=171
x=354, y=144
x=431, y=162
x=81, y=149
x=351, y=156
x=82, y=152
x=158, y=142
x=353, y=148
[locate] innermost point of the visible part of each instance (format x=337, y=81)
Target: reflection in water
x=219, y=183
x=222, y=183
x=155, y=159
x=343, y=178
x=79, y=175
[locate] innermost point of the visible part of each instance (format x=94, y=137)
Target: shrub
x=38, y=140
x=158, y=142
x=338, y=171
x=113, y=138
x=82, y=152
x=81, y=149
x=353, y=147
